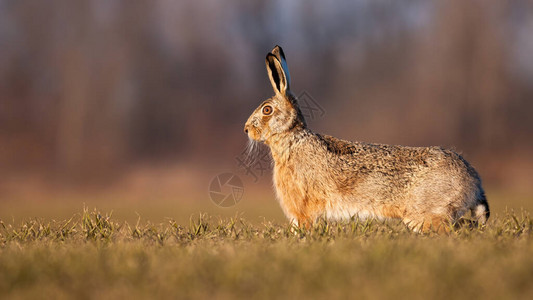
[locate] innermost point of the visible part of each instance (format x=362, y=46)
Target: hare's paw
x=426, y=224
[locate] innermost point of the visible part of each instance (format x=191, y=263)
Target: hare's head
x=280, y=114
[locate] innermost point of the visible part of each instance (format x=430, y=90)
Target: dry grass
x=91, y=256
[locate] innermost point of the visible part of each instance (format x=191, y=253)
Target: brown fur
x=318, y=175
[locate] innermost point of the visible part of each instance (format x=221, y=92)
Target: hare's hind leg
x=425, y=224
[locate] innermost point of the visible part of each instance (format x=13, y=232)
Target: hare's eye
x=267, y=110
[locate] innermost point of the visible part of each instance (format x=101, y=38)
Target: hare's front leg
x=296, y=226
x=301, y=222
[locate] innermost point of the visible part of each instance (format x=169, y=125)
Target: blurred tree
x=89, y=86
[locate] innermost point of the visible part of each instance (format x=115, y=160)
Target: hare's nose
x=246, y=130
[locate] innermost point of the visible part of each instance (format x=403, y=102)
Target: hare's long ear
x=277, y=75
x=278, y=52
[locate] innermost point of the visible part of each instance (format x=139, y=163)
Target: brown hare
x=317, y=175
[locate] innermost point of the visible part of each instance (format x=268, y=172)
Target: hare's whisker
x=250, y=152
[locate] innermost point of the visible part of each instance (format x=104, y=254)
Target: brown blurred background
x=135, y=106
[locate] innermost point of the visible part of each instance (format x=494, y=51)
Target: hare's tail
x=481, y=209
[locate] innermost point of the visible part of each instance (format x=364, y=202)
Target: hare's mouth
x=252, y=132
x=254, y=135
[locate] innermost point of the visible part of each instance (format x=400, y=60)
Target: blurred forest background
x=114, y=100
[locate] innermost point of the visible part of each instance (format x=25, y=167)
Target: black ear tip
x=277, y=48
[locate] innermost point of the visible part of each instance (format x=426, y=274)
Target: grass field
x=92, y=255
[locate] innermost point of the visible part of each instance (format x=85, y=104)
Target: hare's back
x=399, y=162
